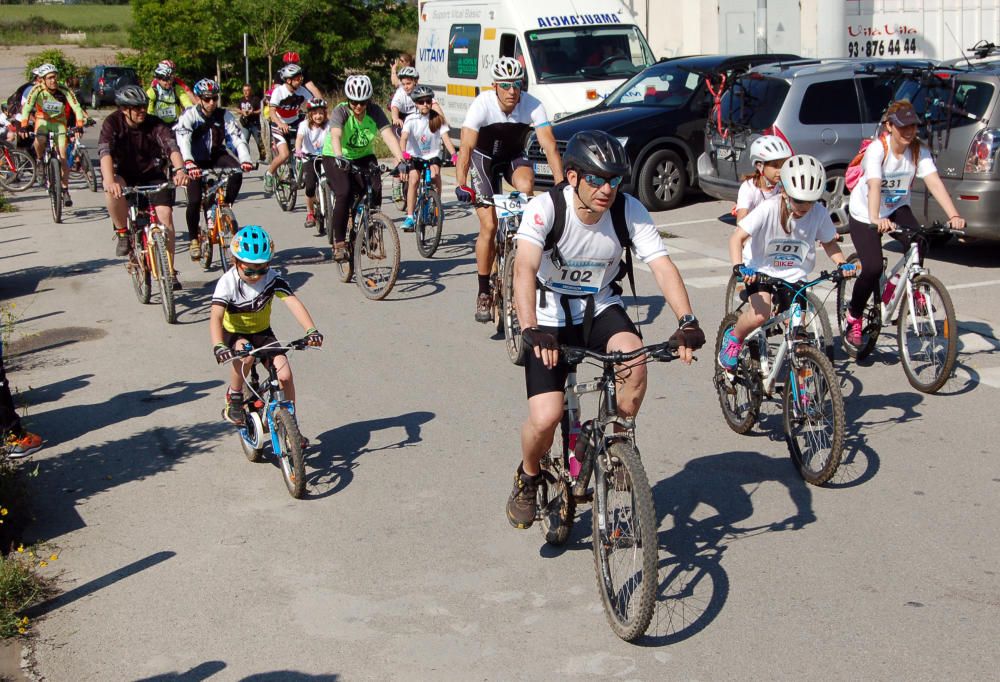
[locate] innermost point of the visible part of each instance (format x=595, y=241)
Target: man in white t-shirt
x=492, y=148
x=566, y=293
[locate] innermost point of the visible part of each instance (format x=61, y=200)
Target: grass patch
x=20, y=587
x=72, y=16
x=34, y=24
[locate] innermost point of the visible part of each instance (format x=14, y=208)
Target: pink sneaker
x=853, y=332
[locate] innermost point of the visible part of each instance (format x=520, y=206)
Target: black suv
x=659, y=115
x=100, y=84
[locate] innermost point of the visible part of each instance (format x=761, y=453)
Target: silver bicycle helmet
x=595, y=151
x=407, y=72
x=507, y=69
x=803, y=178
x=358, y=88
x=131, y=96
x=316, y=103
x=421, y=92
x=289, y=71
x=769, y=148
x=45, y=69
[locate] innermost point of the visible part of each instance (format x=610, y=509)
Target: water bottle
x=574, y=443
x=210, y=216
x=578, y=458
x=890, y=289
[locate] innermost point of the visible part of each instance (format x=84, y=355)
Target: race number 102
x=881, y=48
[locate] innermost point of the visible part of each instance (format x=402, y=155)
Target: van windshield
x=753, y=102
x=577, y=54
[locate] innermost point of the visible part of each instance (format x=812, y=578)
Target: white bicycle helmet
x=507, y=69
x=407, y=72
x=45, y=69
x=164, y=69
x=769, y=148
x=358, y=88
x=289, y=71
x=803, y=178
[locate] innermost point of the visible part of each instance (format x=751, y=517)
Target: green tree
x=270, y=25
x=67, y=67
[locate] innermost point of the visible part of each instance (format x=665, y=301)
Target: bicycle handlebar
x=248, y=350
x=146, y=189
x=922, y=230
x=663, y=352
x=775, y=282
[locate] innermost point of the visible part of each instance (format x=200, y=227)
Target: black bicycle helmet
x=594, y=151
x=421, y=92
x=131, y=96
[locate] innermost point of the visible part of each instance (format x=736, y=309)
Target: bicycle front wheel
x=137, y=269
x=165, y=277
x=376, y=257
x=733, y=290
x=871, y=316
x=228, y=228
x=517, y=350
x=556, y=505
x=429, y=218
x=89, y=174
x=17, y=170
x=285, y=189
x=624, y=541
x=813, y=415
x=291, y=458
x=54, y=173
x=739, y=391
x=927, y=333
x=399, y=193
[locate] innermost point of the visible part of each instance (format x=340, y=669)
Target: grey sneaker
x=121, y=247
x=522, y=505
x=234, y=409
x=484, y=308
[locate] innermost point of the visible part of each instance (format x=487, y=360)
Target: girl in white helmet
x=767, y=154
x=778, y=239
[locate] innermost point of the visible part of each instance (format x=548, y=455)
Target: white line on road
x=719, y=281
x=687, y=222
x=972, y=285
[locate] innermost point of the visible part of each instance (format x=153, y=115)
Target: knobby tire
x=165, y=277
x=292, y=459
x=815, y=424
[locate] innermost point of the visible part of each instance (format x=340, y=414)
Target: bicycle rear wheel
x=429, y=218
x=739, y=391
x=624, y=540
x=556, y=505
x=813, y=415
x=205, y=240
x=285, y=189
x=89, y=174
x=55, y=188
x=291, y=458
x=252, y=438
x=871, y=315
x=927, y=334
x=17, y=170
x=137, y=269
x=517, y=350
x=165, y=277
x=399, y=193
x=227, y=230
x=818, y=324
x=376, y=257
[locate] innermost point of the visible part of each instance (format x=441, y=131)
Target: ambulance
x=575, y=52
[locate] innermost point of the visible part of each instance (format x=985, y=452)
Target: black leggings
x=309, y=177
x=868, y=244
x=345, y=186
x=193, y=211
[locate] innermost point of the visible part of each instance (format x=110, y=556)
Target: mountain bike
x=926, y=328
x=624, y=516
x=17, y=168
x=220, y=222
x=509, y=208
x=372, y=240
x=80, y=165
x=269, y=412
x=148, y=257
x=812, y=405
x=51, y=167
x=323, y=204
x=428, y=213
x=286, y=183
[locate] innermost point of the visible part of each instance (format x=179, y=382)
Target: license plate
x=543, y=169
x=728, y=154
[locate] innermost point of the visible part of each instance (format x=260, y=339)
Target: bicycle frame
x=152, y=226
x=908, y=265
x=272, y=389
x=221, y=181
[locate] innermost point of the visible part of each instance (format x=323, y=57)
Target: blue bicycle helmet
x=252, y=245
x=206, y=87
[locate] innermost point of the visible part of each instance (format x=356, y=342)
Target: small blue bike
x=428, y=214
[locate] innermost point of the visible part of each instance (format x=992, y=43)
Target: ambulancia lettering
x=578, y=20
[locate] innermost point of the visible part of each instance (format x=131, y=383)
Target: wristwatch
x=687, y=320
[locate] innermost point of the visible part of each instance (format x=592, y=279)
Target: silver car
x=822, y=107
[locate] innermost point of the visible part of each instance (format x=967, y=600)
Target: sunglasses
x=596, y=181
x=422, y=101
x=254, y=272
x=508, y=86
x=362, y=103
x=209, y=99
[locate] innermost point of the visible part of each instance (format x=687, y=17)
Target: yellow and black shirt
x=248, y=305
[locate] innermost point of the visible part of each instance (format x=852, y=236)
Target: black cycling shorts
x=609, y=322
x=165, y=197
x=485, y=174
x=256, y=339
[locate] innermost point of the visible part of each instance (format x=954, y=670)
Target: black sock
x=484, y=284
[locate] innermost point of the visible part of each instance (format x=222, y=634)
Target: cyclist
x=202, y=132
x=241, y=313
x=353, y=127
x=17, y=442
x=492, y=145
x=48, y=102
x=286, y=114
x=15, y=103
x=309, y=140
x=882, y=198
x=134, y=147
x=250, y=117
x=778, y=239
x=168, y=96
x=421, y=139
x=587, y=248
x=767, y=154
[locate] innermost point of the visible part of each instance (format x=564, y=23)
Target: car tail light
x=775, y=130
x=983, y=151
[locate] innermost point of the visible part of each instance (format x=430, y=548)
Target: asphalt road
x=182, y=560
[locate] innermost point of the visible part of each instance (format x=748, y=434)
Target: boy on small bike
x=778, y=239
x=241, y=314
x=421, y=138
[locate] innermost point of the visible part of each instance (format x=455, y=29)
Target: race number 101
x=881, y=48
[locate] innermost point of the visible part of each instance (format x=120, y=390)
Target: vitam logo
x=432, y=54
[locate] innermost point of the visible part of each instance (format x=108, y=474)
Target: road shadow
x=39, y=395
x=25, y=281
x=423, y=278
x=649, y=308
x=200, y=672
x=331, y=468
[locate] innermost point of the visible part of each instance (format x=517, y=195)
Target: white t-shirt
x=287, y=104
x=591, y=255
x=312, y=138
x=421, y=141
x=774, y=252
x=896, y=175
x=402, y=101
x=751, y=195
x=502, y=136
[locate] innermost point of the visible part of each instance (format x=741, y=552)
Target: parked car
x=100, y=84
x=820, y=107
x=965, y=141
x=659, y=115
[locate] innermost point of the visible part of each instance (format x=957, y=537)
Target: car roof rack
x=984, y=49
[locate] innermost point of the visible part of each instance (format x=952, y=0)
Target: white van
x=575, y=52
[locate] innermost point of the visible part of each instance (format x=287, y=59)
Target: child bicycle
x=428, y=213
x=148, y=257
x=812, y=405
x=17, y=168
x=286, y=182
x=624, y=517
x=372, y=240
x=80, y=165
x=509, y=208
x=269, y=412
x=926, y=328
x=220, y=221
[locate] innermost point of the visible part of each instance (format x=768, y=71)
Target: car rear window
x=830, y=103
x=753, y=102
x=971, y=98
